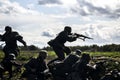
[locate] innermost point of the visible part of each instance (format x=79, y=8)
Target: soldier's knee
x=67, y=50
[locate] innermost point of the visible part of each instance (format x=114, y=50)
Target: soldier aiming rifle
x=58, y=44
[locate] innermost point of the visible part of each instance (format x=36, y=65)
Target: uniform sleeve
x=17, y=36
x=2, y=37
x=71, y=38
x=29, y=65
x=43, y=66
x=20, y=39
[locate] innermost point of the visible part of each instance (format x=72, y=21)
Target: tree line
x=93, y=48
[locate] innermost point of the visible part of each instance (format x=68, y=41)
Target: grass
x=25, y=56
x=106, y=54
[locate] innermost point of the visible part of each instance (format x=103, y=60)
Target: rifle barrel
x=80, y=35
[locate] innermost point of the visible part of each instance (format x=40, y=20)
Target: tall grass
x=26, y=55
x=106, y=54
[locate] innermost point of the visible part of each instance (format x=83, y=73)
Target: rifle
x=84, y=37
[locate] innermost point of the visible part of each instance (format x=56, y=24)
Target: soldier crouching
x=36, y=67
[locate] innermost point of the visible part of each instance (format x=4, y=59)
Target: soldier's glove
x=77, y=35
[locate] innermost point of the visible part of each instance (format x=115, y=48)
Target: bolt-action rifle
x=83, y=37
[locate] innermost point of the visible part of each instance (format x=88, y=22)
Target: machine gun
x=83, y=37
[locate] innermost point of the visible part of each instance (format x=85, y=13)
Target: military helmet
x=43, y=54
x=78, y=51
x=12, y=56
x=68, y=29
x=8, y=28
x=85, y=58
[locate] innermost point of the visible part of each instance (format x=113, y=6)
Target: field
x=112, y=57
x=26, y=55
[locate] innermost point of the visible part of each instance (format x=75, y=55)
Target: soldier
x=72, y=58
x=36, y=67
x=81, y=69
x=11, y=37
x=98, y=71
x=7, y=64
x=58, y=43
x=63, y=68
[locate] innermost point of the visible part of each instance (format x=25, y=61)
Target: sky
x=39, y=21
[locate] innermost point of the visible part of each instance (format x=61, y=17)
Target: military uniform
x=80, y=70
x=7, y=64
x=58, y=43
x=36, y=67
x=10, y=37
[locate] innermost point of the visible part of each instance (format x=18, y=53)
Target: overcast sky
x=39, y=21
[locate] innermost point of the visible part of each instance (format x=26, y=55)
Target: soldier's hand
x=77, y=35
x=26, y=47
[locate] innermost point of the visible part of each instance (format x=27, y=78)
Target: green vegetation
x=26, y=55
x=106, y=54
x=94, y=48
x=112, y=58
